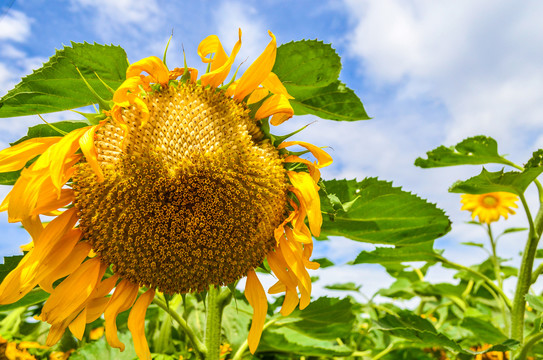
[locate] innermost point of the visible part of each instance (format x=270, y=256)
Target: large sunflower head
x=177, y=190
x=489, y=207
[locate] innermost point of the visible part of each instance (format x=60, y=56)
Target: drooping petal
x=273, y=84
x=278, y=106
x=136, y=324
x=15, y=157
x=122, y=299
x=26, y=191
x=258, y=71
x=72, y=293
x=86, y=142
x=279, y=268
x=257, y=95
x=67, y=266
x=310, y=196
x=216, y=76
x=293, y=258
x=323, y=159
x=152, y=65
x=255, y=294
x=49, y=201
x=77, y=327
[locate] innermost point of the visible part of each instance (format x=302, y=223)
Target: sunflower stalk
x=525, y=273
x=216, y=301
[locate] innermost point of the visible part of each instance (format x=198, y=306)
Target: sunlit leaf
x=57, y=85
x=475, y=150
x=10, y=263
x=380, y=213
x=323, y=262
x=349, y=286
x=398, y=254
x=513, y=181
x=101, y=350
x=483, y=330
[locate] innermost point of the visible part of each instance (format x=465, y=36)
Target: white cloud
x=479, y=59
x=115, y=16
x=15, y=26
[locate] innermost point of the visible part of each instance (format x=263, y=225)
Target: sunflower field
x=154, y=215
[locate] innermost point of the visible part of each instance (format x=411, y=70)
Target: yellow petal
x=61, y=153
x=312, y=167
x=310, y=196
x=72, y=293
x=26, y=191
x=293, y=258
x=257, y=95
x=136, y=324
x=33, y=226
x=323, y=159
x=254, y=292
x=152, y=65
x=216, y=76
x=279, y=268
x=273, y=84
x=276, y=105
x=77, y=327
x=122, y=299
x=258, y=71
x=19, y=281
x=48, y=201
x=86, y=142
x=57, y=330
x=66, y=267
x=212, y=45
x=15, y=157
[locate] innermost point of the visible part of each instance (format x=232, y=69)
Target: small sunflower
x=489, y=207
x=176, y=190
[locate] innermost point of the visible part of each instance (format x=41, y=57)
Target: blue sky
x=428, y=72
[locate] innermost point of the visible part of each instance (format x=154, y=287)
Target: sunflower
x=489, y=206
x=176, y=190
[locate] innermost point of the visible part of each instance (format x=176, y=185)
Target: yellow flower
x=489, y=207
x=178, y=189
x=13, y=351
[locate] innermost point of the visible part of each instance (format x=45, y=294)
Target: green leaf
x=398, y=254
x=349, y=286
x=58, y=86
x=414, y=328
x=512, y=230
x=475, y=150
x=307, y=63
x=312, y=331
x=35, y=296
x=535, y=301
x=10, y=263
x=9, y=178
x=101, y=350
x=309, y=70
x=483, y=330
x=333, y=102
x=401, y=288
x=513, y=181
x=380, y=213
x=470, y=243
x=44, y=130
x=323, y=262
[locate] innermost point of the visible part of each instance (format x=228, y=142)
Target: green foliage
x=374, y=211
x=309, y=70
x=398, y=254
x=475, y=150
x=101, y=350
x=323, y=262
x=10, y=263
x=46, y=130
x=513, y=181
x=58, y=86
x=349, y=286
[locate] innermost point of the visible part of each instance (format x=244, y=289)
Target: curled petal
x=212, y=45
x=293, y=258
x=216, y=76
x=310, y=196
x=258, y=71
x=177, y=72
x=279, y=268
x=323, y=159
x=254, y=292
x=312, y=167
x=278, y=106
x=257, y=95
x=158, y=72
x=136, y=324
x=86, y=142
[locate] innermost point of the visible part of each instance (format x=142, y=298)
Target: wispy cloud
x=15, y=26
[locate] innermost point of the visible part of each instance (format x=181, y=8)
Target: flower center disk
x=189, y=199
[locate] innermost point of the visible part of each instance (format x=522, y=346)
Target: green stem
x=199, y=348
x=245, y=344
x=537, y=272
x=494, y=257
x=388, y=349
x=479, y=275
x=527, y=346
x=213, y=324
x=525, y=274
